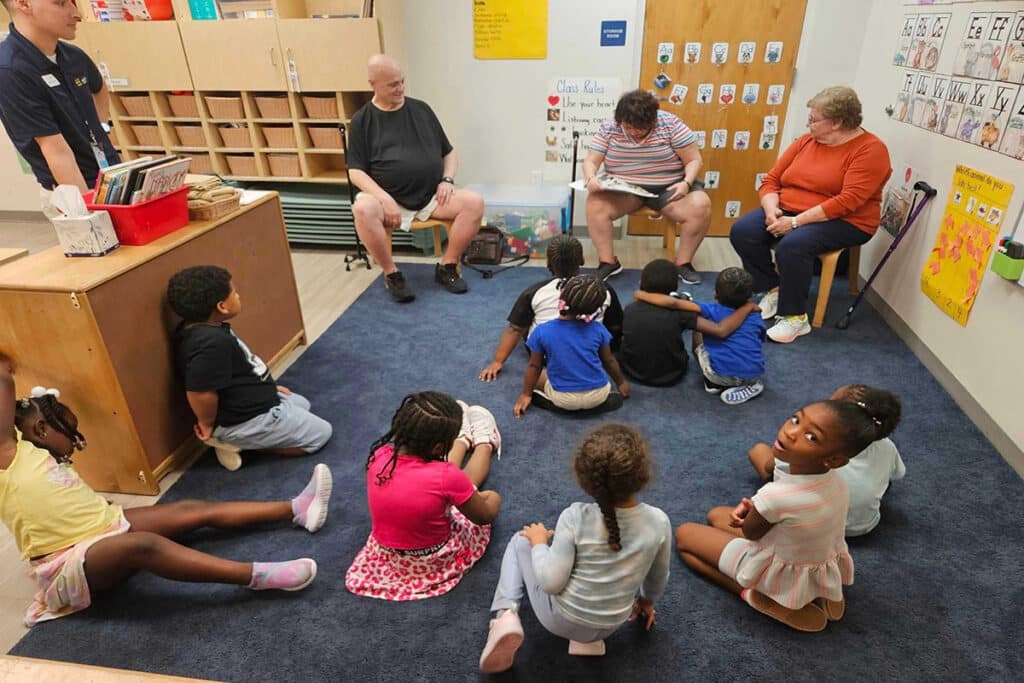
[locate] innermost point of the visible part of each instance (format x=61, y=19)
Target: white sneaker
x=230, y=457
x=483, y=428
x=769, y=305
x=734, y=396
x=504, y=638
x=595, y=649
x=465, y=432
x=789, y=328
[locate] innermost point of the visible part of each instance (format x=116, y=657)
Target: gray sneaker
x=607, y=270
x=395, y=284
x=688, y=274
x=447, y=275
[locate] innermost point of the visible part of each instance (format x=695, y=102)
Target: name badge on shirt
x=101, y=157
x=50, y=80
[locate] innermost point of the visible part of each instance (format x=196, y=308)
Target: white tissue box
x=89, y=235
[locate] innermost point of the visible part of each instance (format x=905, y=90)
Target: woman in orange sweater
x=824, y=193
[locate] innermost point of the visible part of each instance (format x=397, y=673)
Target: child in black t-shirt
x=538, y=303
x=652, y=343
x=238, y=406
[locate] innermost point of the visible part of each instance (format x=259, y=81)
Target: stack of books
x=140, y=180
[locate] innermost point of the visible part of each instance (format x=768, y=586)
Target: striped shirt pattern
x=653, y=162
x=804, y=555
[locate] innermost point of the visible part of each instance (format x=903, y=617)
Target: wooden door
x=330, y=54
x=118, y=44
x=234, y=55
x=733, y=22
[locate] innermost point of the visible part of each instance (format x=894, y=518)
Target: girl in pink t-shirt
x=784, y=551
x=430, y=522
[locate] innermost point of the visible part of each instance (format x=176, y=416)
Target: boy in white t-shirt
x=867, y=475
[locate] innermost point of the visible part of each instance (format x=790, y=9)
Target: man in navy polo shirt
x=52, y=98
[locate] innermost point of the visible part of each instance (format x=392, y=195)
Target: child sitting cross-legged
x=237, y=404
x=538, y=304
x=577, y=354
x=78, y=544
x=733, y=366
x=431, y=523
x=652, y=351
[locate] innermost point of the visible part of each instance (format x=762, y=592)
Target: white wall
x=985, y=356
x=494, y=110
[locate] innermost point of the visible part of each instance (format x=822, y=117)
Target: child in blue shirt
x=733, y=366
x=576, y=352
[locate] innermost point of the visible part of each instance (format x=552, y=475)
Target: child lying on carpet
x=577, y=353
x=869, y=473
x=538, y=304
x=431, y=523
x=732, y=366
x=237, y=405
x=783, y=551
x=79, y=544
x=653, y=352
x=607, y=563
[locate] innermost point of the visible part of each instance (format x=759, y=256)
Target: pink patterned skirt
x=377, y=572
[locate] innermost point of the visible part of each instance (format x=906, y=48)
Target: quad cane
x=360, y=254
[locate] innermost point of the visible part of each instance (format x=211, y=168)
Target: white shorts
x=410, y=215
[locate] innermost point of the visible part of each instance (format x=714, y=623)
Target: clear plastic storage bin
x=530, y=215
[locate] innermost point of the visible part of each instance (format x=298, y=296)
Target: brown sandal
x=810, y=618
x=833, y=609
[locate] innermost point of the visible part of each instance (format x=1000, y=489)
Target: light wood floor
x=326, y=289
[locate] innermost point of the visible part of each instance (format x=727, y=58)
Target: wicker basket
x=273, y=107
x=235, y=137
x=200, y=163
x=320, y=106
x=280, y=136
x=225, y=107
x=137, y=105
x=215, y=210
x=183, y=106
x=241, y=164
x=190, y=136
x=147, y=134
x=325, y=138
x=284, y=165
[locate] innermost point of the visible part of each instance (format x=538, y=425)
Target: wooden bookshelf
x=314, y=68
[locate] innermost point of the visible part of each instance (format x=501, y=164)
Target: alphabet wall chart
x=981, y=101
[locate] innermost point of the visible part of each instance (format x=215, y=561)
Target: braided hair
x=56, y=414
x=865, y=415
x=611, y=464
x=425, y=425
x=565, y=256
x=582, y=297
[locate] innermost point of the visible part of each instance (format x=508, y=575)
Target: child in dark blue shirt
x=733, y=366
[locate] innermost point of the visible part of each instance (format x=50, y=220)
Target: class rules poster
x=970, y=228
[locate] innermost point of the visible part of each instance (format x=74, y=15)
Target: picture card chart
x=977, y=101
x=729, y=82
x=970, y=228
x=574, y=104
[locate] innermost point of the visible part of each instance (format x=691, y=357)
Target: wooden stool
x=436, y=224
x=8, y=255
x=828, y=272
x=671, y=230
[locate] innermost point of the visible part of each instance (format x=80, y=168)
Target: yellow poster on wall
x=970, y=227
x=510, y=29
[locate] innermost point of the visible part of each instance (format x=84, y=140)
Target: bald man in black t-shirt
x=404, y=165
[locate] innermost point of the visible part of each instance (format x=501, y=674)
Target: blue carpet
x=937, y=590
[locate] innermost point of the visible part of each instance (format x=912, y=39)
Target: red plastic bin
x=137, y=224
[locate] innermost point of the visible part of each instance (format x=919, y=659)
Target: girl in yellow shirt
x=78, y=543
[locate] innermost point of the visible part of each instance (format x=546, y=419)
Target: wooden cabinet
x=234, y=55
x=100, y=330
x=329, y=54
x=117, y=45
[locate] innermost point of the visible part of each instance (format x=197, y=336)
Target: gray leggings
x=517, y=578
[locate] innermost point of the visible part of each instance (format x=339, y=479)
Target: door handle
x=273, y=57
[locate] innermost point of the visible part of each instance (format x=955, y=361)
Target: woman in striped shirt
x=783, y=551
x=655, y=150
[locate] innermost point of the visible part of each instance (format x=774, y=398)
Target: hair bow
x=39, y=392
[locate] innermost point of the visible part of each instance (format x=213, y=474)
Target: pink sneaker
x=504, y=638
x=310, y=507
x=293, y=575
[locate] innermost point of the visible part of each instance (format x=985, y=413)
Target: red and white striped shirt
x=653, y=162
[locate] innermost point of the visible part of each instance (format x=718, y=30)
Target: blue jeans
x=794, y=255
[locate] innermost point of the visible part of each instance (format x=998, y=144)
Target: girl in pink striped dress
x=783, y=551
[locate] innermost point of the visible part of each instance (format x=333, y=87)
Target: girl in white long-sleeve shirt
x=607, y=563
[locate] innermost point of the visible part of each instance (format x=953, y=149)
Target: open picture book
x=610, y=183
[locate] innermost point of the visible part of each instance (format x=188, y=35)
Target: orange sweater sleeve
x=868, y=171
